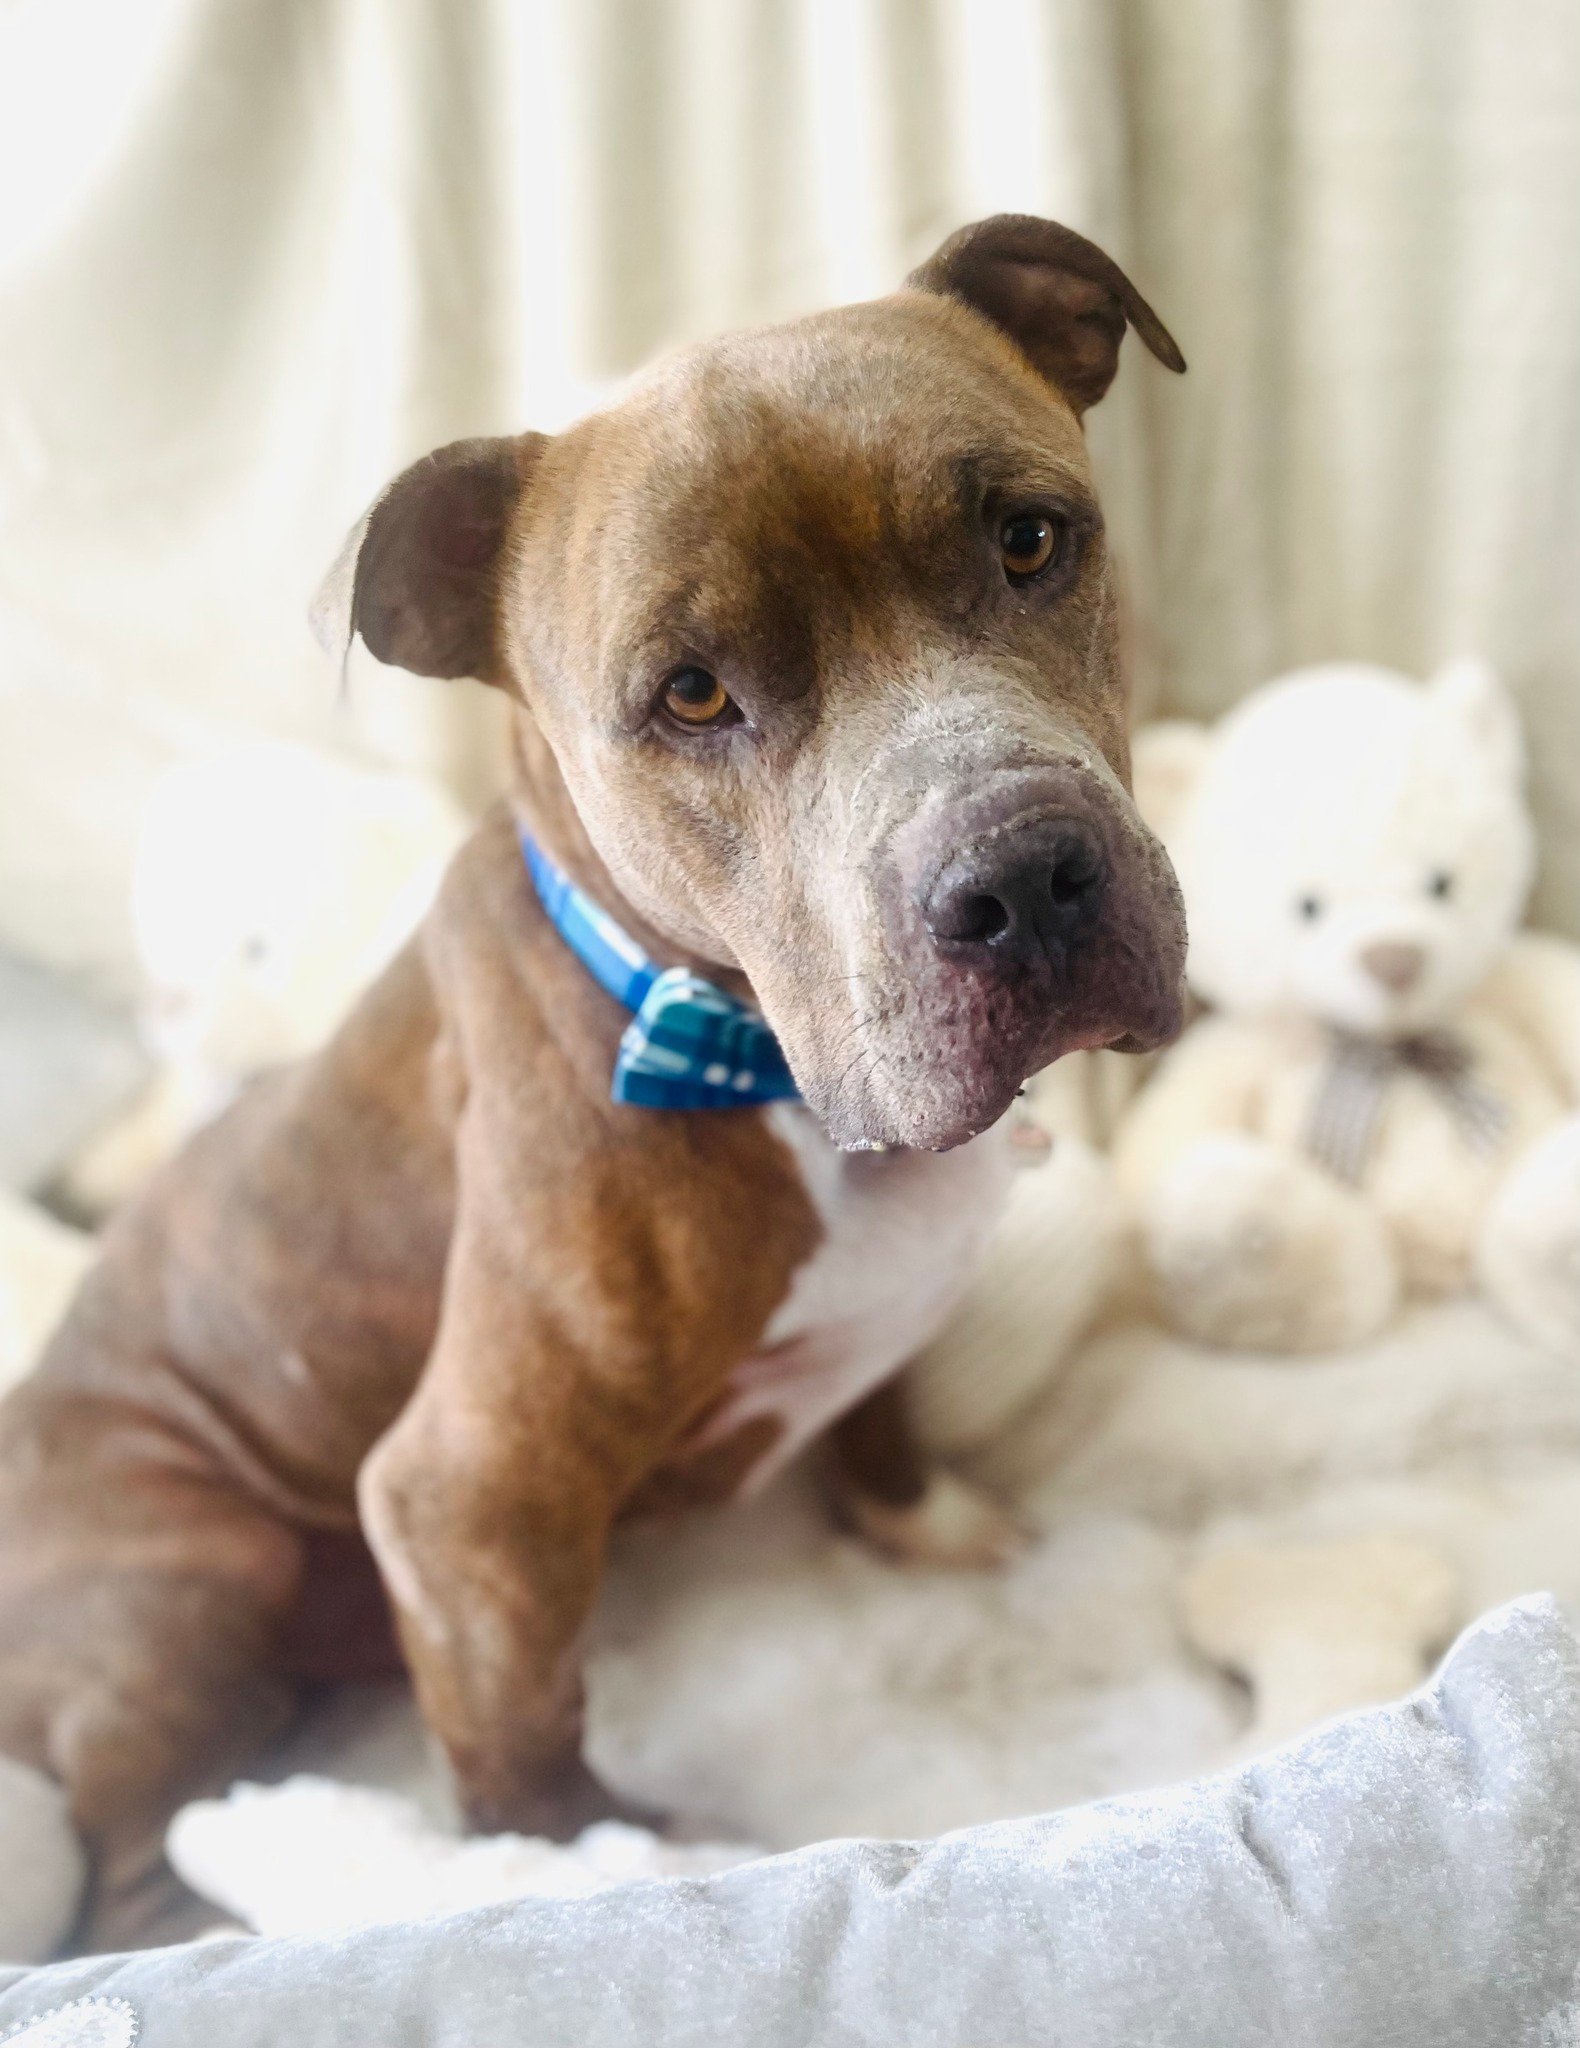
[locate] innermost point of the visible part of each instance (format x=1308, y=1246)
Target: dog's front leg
x=492, y=1543
x=589, y=1314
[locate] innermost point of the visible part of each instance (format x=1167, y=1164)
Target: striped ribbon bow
x=1347, y=1112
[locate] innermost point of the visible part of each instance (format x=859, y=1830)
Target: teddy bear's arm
x=1210, y=1082
x=1535, y=988
x=1247, y=1242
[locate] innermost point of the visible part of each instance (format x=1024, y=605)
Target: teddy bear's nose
x=1395, y=964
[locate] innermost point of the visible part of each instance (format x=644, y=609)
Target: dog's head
x=819, y=625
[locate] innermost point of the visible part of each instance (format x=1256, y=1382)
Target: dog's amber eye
x=1028, y=541
x=696, y=698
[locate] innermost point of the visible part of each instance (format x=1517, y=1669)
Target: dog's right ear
x=418, y=575
x=1056, y=295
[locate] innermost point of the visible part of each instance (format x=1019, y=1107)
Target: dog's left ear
x=1056, y=295
x=418, y=574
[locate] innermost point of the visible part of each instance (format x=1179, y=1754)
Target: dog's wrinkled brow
x=983, y=474
x=744, y=636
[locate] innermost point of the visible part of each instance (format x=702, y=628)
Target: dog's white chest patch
x=902, y=1234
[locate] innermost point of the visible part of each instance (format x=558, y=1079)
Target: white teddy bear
x=1059, y=1258
x=1382, y=1099
x=272, y=882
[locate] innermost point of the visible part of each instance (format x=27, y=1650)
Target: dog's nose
x=1022, y=894
x=1393, y=963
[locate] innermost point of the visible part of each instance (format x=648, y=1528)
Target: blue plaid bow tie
x=690, y=1045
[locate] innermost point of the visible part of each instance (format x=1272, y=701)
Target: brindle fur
x=433, y=1286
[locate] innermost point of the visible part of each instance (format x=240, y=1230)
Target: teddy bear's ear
x=1166, y=762
x=1475, y=693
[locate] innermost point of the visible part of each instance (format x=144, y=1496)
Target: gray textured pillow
x=1405, y=1876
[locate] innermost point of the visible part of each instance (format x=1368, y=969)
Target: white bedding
x=772, y=1683
x=1408, y=1876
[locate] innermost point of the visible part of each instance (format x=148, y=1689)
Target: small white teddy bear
x=272, y=882
x=1382, y=1098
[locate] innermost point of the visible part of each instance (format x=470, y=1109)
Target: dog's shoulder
x=535, y=1038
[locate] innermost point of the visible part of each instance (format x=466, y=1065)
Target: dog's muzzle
x=1034, y=915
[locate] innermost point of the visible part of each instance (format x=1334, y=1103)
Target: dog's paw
x=953, y=1527
x=559, y=1805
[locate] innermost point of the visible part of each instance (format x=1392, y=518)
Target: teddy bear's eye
x=1440, y=883
x=1310, y=908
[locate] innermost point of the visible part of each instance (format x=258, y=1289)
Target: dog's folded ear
x=1062, y=302
x=418, y=574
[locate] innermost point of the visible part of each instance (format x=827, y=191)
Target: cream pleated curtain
x=256, y=254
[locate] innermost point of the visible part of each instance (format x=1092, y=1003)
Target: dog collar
x=689, y=1044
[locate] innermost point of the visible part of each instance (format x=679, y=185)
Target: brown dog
x=812, y=642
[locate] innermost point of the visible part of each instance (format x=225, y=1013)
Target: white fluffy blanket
x=772, y=1683
x=780, y=1682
